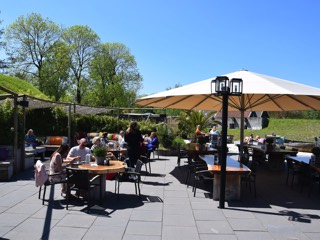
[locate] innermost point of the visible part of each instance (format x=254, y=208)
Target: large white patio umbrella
x=260, y=93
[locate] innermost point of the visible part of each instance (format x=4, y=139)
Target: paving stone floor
x=166, y=210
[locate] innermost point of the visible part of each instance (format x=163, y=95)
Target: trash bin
x=231, y=125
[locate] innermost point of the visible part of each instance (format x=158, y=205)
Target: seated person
x=104, y=139
x=78, y=153
x=97, y=143
x=154, y=143
x=199, y=132
x=56, y=161
x=200, y=137
x=214, y=130
x=248, y=139
x=121, y=141
x=146, y=139
x=30, y=138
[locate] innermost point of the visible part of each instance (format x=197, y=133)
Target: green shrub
x=99, y=151
x=178, y=142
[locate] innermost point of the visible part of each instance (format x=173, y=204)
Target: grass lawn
x=293, y=129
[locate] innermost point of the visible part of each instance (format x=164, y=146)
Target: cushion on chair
x=92, y=134
x=115, y=137
x=56, y=140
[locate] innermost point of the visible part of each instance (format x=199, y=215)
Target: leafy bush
x=165, y=135
x=99, y=151
x=178, y=142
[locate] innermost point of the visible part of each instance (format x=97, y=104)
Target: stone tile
x=12, y=219
x=144, y=228
x=214, y=227
x=176, y=193
x=177, y=209
x=72, y=220
x=24, y=208
x=31, y=228
x=66, y=233
x=201, y=205
x=209, y=215
x=251, y=235
x=104, y=232
x=246, y=225
x=4, y=230
x=313, y=236
x=45, y=212
x=176, y=200
x=116, y=220
x=174, y=233
x=145, y=215
x=140, y=237
x=178, y=220
x=231, y=213
x=217, y=237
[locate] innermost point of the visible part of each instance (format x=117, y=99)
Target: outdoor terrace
x=166, y=210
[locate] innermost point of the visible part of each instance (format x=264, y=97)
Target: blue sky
x=184, y=41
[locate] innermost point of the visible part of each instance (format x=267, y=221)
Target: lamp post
x=225, y=88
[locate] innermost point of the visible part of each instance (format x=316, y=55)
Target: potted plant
x=100, y=153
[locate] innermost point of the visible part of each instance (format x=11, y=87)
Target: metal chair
x=56, y=178
x=201, y=175
x=146, y=161
x=213, y=140
x=132, y=175
x=182, y=153
x=79, y=180
x=292, y=169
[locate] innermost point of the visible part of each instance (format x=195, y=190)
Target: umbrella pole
x=223, y=160
x=241, y=126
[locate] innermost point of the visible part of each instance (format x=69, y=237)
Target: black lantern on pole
x=236, y=86
x=223, y=87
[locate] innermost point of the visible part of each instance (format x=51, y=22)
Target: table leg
x=233, y=187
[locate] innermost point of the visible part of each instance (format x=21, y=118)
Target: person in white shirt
x=214, y=130
x=79, y=152
x=121, y=138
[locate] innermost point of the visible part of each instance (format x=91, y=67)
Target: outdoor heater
x=225, y=88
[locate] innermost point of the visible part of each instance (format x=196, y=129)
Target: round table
x=113, y=167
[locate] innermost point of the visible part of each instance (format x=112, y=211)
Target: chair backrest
x=40, y=173
x=289, y=164
x=214, y=138
x=79, y=177
x=245, y=149
x=253, y=167
x=138, y=166
x=244, y=159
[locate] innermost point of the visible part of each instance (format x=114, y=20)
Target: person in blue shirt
x=154, y=143
x=30, y=138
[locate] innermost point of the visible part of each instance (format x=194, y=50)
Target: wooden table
x=276, y=155
x=117, y=151
x=113, y=167
x=234, y=170
x=38, y=150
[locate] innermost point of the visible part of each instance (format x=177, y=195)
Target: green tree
x=56, y=72
x=116, y=75
x=81, y=41
x=29, y=40
x=3, y=65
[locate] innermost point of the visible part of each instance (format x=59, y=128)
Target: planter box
x=168, y=152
